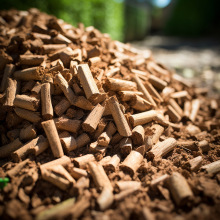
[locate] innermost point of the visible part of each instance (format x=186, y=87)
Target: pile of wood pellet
x=93, y=128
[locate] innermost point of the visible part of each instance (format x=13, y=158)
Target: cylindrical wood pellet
x=179, y=189
x=77, y=173
x=132, y=162
x=31, y=60
x=119, y=118
x=142, y=118
x=6, y=150
x=162, y=148
x=127, y=95
x=22, y=152
x=28, y=115
x=68, y=124
x=82, y=140
x=99, y=176
x=195, y=109
x=63, y=84
x=153, y=92
x=140, y=104
x=157, y=82
x=92, y=121
x=28, y=133
x=41, y=146
x=82, y=161
x=46, y=104
x=68, y=143
x=62, y=106
x=105, y=138
x=142, y=88
x=8, y=71
x=33, y=73
x=10, y=92
x=125, y=146
x=187, y=109
x=176, y=107
x=112, y=164
x=88, y=83
x=26, y=102
x=53, y=138
x=120, y=85
x=64, y=161
x=105, y=199
x=174, y=116
x=138, y=134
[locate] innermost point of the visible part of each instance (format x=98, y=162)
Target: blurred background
x=183, y=34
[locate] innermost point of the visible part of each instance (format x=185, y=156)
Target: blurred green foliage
x=138, y=20
x=194, y=18
x=105, y=15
